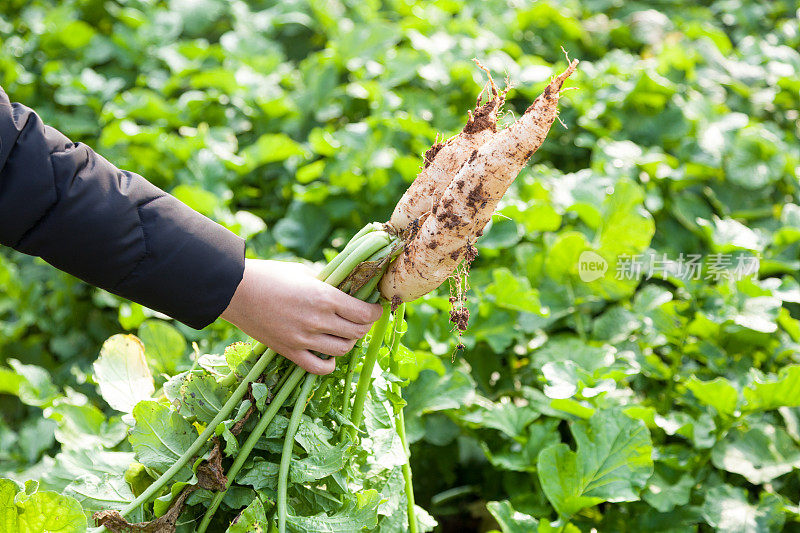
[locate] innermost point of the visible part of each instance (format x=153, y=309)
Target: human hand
x=284, y=306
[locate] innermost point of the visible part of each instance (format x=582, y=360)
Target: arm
x=61, y=201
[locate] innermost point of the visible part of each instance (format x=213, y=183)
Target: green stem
x=223, y=413
x=360, y=247
x=577, y=316
x=288, y=445
x=252, y=439
x=369, y=245
x=400, y=423
x=369, y=287
x=348, y=380
x=365, y=377
x=351, y=244
x=394, y=342
x=409, y=485
x=231, y=377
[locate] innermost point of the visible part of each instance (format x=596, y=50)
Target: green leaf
x=164, y=345
x=33, y=386
x=76, y=34
x=511, y=520
x=760, y=454
x=196, y=395
x=627, y=226
x=319, y=464
x=231, y=443
x=262, y=475
x=10, y=382
x=726, y=508
x=566, y=481
x=160, y=437
x=359, y=511
x=310, y=172
x=508, y=418
x=612, y=463
x=214, y=364
x=137, y=477
x=268, y=148
x=512, y=292
x=535, y=218
x=561, y=262
x=97, y=493
x=30, y=511
x=665, y=490
x=302, y=229
x=782, y=390
x=500, y=234
x=130, y=315
x=615, y=325
x=74, y=465
x=81, y=425
x=563, y=379
x=718, y=393
x=509, y=456
x=432, y=392
x=562, y=348
x=238, y=357
x=252, y=519
x=122, y=374
x=755, y=158
x=759, y=314
x=197, y=198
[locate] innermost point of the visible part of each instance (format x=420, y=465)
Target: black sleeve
x=61, y=201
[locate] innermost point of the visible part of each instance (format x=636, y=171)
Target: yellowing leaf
x=122, y=374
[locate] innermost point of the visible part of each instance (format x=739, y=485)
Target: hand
x=287, y=308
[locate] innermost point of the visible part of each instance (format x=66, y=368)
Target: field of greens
x=632, y=361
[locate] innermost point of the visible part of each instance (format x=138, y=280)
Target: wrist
x=233, y=312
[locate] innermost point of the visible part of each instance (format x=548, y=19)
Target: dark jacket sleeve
x=61, y=201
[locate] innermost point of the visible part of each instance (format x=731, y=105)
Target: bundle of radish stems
x=431, y=232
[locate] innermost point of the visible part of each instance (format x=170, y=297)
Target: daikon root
x=442, y=160
x=459, y=216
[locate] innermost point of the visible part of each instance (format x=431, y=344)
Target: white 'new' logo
x=591, y=266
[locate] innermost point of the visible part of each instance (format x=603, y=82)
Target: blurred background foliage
x=294, y=123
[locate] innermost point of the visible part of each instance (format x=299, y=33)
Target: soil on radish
x=430, y=154
x=484, y=117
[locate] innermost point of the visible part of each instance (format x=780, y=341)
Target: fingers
x=353, y=309
x=331, y=345
x=325, y=344
x=339, y=327
x=311, y=363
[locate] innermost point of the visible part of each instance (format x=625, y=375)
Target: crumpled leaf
x=359, y=511
x=196, y=395
x=319, y=464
